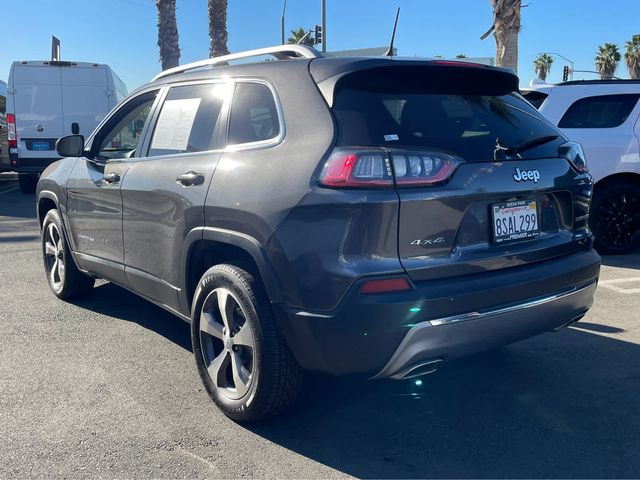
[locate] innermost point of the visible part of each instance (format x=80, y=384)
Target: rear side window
x=535, y=98
x=254, y=116
x=188, y=119
x=380, y=111
x=603, y=111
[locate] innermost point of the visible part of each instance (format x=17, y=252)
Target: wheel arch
x=629, y=177
x=47, y=200
x=205, y=247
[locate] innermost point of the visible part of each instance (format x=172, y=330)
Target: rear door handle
x=112, y=177
x=190, y=178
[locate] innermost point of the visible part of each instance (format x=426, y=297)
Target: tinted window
x=466, y=125
x=535, y=98
x=121, y=140
x=254, y=116
x=604, y=111
x=188, y=119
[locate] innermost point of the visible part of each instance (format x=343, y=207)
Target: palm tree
x=632, y=57
x=607, y=60
x=296, y=35
x=506, y=27
x=542, y=64
x=218, y=28
x=168, y=40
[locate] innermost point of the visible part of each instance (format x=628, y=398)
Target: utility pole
x=324, y=26
x=284, y=8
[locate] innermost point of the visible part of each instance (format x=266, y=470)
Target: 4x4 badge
x=526, y=175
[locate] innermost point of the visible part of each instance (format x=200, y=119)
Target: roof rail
x=281, y=52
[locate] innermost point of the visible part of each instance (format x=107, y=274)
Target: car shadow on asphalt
x=559, y=405
x=18, y=205
x=131, y=308
x=554, y=406
x=631, y=260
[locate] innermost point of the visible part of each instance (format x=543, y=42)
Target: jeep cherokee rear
x=348, y=216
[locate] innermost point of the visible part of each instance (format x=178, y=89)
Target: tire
x=63, y=277
x=241, y=357
x=615, y=218
x=27, y=183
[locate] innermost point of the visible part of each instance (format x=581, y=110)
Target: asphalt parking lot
x=106, y=387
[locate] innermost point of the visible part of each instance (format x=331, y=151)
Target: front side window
x=121, y=140
x=603, y=111
x=188, y=119
x=254, y=116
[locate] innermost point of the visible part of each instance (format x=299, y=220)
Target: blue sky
x=122, y=33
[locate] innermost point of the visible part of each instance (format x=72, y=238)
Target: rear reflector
x=11, y=131
x=386, y=285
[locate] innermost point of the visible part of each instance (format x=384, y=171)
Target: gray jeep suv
x=369, y=216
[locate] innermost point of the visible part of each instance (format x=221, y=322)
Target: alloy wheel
x=227, y=343
x=54, y=256
x=618, y=220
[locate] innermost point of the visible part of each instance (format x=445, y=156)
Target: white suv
x=604, y=116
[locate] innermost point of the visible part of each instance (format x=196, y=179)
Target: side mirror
x=70, y=146
x=75, y=128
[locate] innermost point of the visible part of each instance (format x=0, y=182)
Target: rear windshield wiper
x=526, y=145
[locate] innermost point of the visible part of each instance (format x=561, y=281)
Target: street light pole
x=284, y=8
x=564, y=58
x=324, y=26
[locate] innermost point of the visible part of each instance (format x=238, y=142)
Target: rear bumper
x=438, y=320
x=451, y=337
x=31, y=165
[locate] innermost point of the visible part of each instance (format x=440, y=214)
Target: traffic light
x=565, y=73
x=318, y=34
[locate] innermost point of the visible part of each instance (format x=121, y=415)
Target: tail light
x=572, y=151
x=11, y=131
x=430, y=168
x=345, y=168
x=382, y=169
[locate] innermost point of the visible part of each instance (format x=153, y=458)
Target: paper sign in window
x=174, y=125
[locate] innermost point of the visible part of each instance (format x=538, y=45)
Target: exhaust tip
x=419, y=369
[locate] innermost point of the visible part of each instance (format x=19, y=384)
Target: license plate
x=40, y=146
x=515, y=220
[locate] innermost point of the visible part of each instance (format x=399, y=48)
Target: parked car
x=47, y=100
x=348, y=216
x=604, y=117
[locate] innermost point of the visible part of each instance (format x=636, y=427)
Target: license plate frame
x=515, y=221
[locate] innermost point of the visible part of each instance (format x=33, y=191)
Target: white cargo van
x=47, y=100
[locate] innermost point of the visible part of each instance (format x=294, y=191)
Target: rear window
x=254, y=117
x=379, y=111
x=602, y=111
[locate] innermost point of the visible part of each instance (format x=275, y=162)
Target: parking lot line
x=613, y=285
x=10, y=189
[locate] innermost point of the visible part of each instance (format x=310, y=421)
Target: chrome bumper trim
x=465, y=317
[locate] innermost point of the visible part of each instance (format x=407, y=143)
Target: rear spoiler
x=427, y=76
